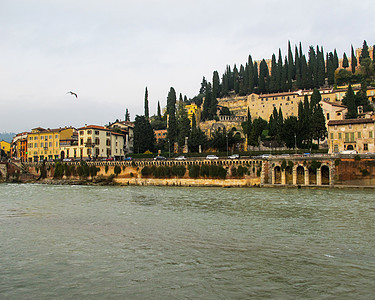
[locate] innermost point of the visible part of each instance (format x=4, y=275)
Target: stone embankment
x=286, y=171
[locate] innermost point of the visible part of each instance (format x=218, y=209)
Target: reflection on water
x=167, y=243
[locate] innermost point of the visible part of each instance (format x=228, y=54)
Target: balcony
x=89, y=144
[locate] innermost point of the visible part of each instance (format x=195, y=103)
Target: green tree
x=183, y=123
x=197, y=138
x=364, y=52
x=127, y=115
x=171, y=110
x=143, y=135
x=354, y=60
x=146, y=104
x=349, y=101
x=159, y=111
x=345, y=62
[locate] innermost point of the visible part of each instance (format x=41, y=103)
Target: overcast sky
x=109, y=51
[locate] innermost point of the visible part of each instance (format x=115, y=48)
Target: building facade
x=19, y=146
x=44, y=144
x=96, y=142
x=351, y=135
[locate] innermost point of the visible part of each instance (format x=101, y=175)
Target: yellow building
x=44, y=144
x=5, y=146
x=193, y=109
x=351, y=135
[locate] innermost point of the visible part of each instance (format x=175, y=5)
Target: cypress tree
x=364, y=52
x=345, y=62
x=263, y=77
x=284, y=76
x=236, y=83
x=215, y=85
x=256, y=76
x=291, y=68
x=273, y=78
x=251, y=75
x=279, y=72
x=354, y=61
x=146, y=104
x=159, y=111
x=349, y=101
x=127, y=115
x=335, y=60
x=183, y=123
x=171, y=109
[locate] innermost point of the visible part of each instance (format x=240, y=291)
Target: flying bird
x=71, y=93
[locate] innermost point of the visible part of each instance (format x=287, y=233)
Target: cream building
x=96, y=142
x=351, y=134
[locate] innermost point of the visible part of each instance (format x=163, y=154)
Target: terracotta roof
x=278, y=94
x=350, y=121
x=94, y=127
x=334, y=104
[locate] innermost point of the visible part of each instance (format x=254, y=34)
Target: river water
x=83, y=242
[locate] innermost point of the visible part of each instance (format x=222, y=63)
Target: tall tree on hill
x=183, y=123
x=297, y=68
x=321, y=66
x=263, y=77
x=330, y=69
x=251, y=75
x=273, y=78
x=354, y=60
x=256, y=76
x=279, y=72
x=364, y=52
x=146, y=103
x=349, y=101
x=143, y=135
x=197, y=137
x=241, y=80
x=207, y=104
x=291, y=67
x=159, y=111
x=284, y=76
x=215, y=85
x=345, y=62
x=236, y=83
x=373, y=53
x=171, y=110
x=335, y=60
x=127, y=115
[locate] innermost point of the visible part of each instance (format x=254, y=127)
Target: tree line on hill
x=295, y=71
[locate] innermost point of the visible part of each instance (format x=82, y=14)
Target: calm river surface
x=82, y=242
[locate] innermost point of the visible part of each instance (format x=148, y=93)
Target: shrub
x=145, y=172
x=194, y=171
x=337, y=161
x=59, y=170
x=93, y=170
x=283, y=165
x=241, y=171
x=365, y=172
x=357, y=157
x=233, y=171
x=178, y=171
x=117, y=170
x=205, y=171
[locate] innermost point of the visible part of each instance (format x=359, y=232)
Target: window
x=352, y=136
x=31, y=138
x=335, y=148
x=50, y=137
x=365, y=147
x=340, y=136
x=41, y=144
x=42, y=137
x=97, y=141
x=332, y=136
x=108, y=134
x=81, y=132
x=108, y=142
x=327, y=116
x=35, y=145
x=97, y=132
x=346, y=136
x=370, y=134
x=50, y=144
x=56, y=136
x=81, y=142
x=359, y=134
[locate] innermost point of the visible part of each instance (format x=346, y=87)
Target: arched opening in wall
x=325, y=175
x=277, y=174
x=62, y=154
x=288, y=175
x=312, y=176
x=300, y=175
x=350, y=147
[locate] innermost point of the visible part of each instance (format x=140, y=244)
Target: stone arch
x=312, y=176
x=300, y=172
x=288, y=175
x=350, y=147
x=277, y=175
x=325, y=176
x=62, y=155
